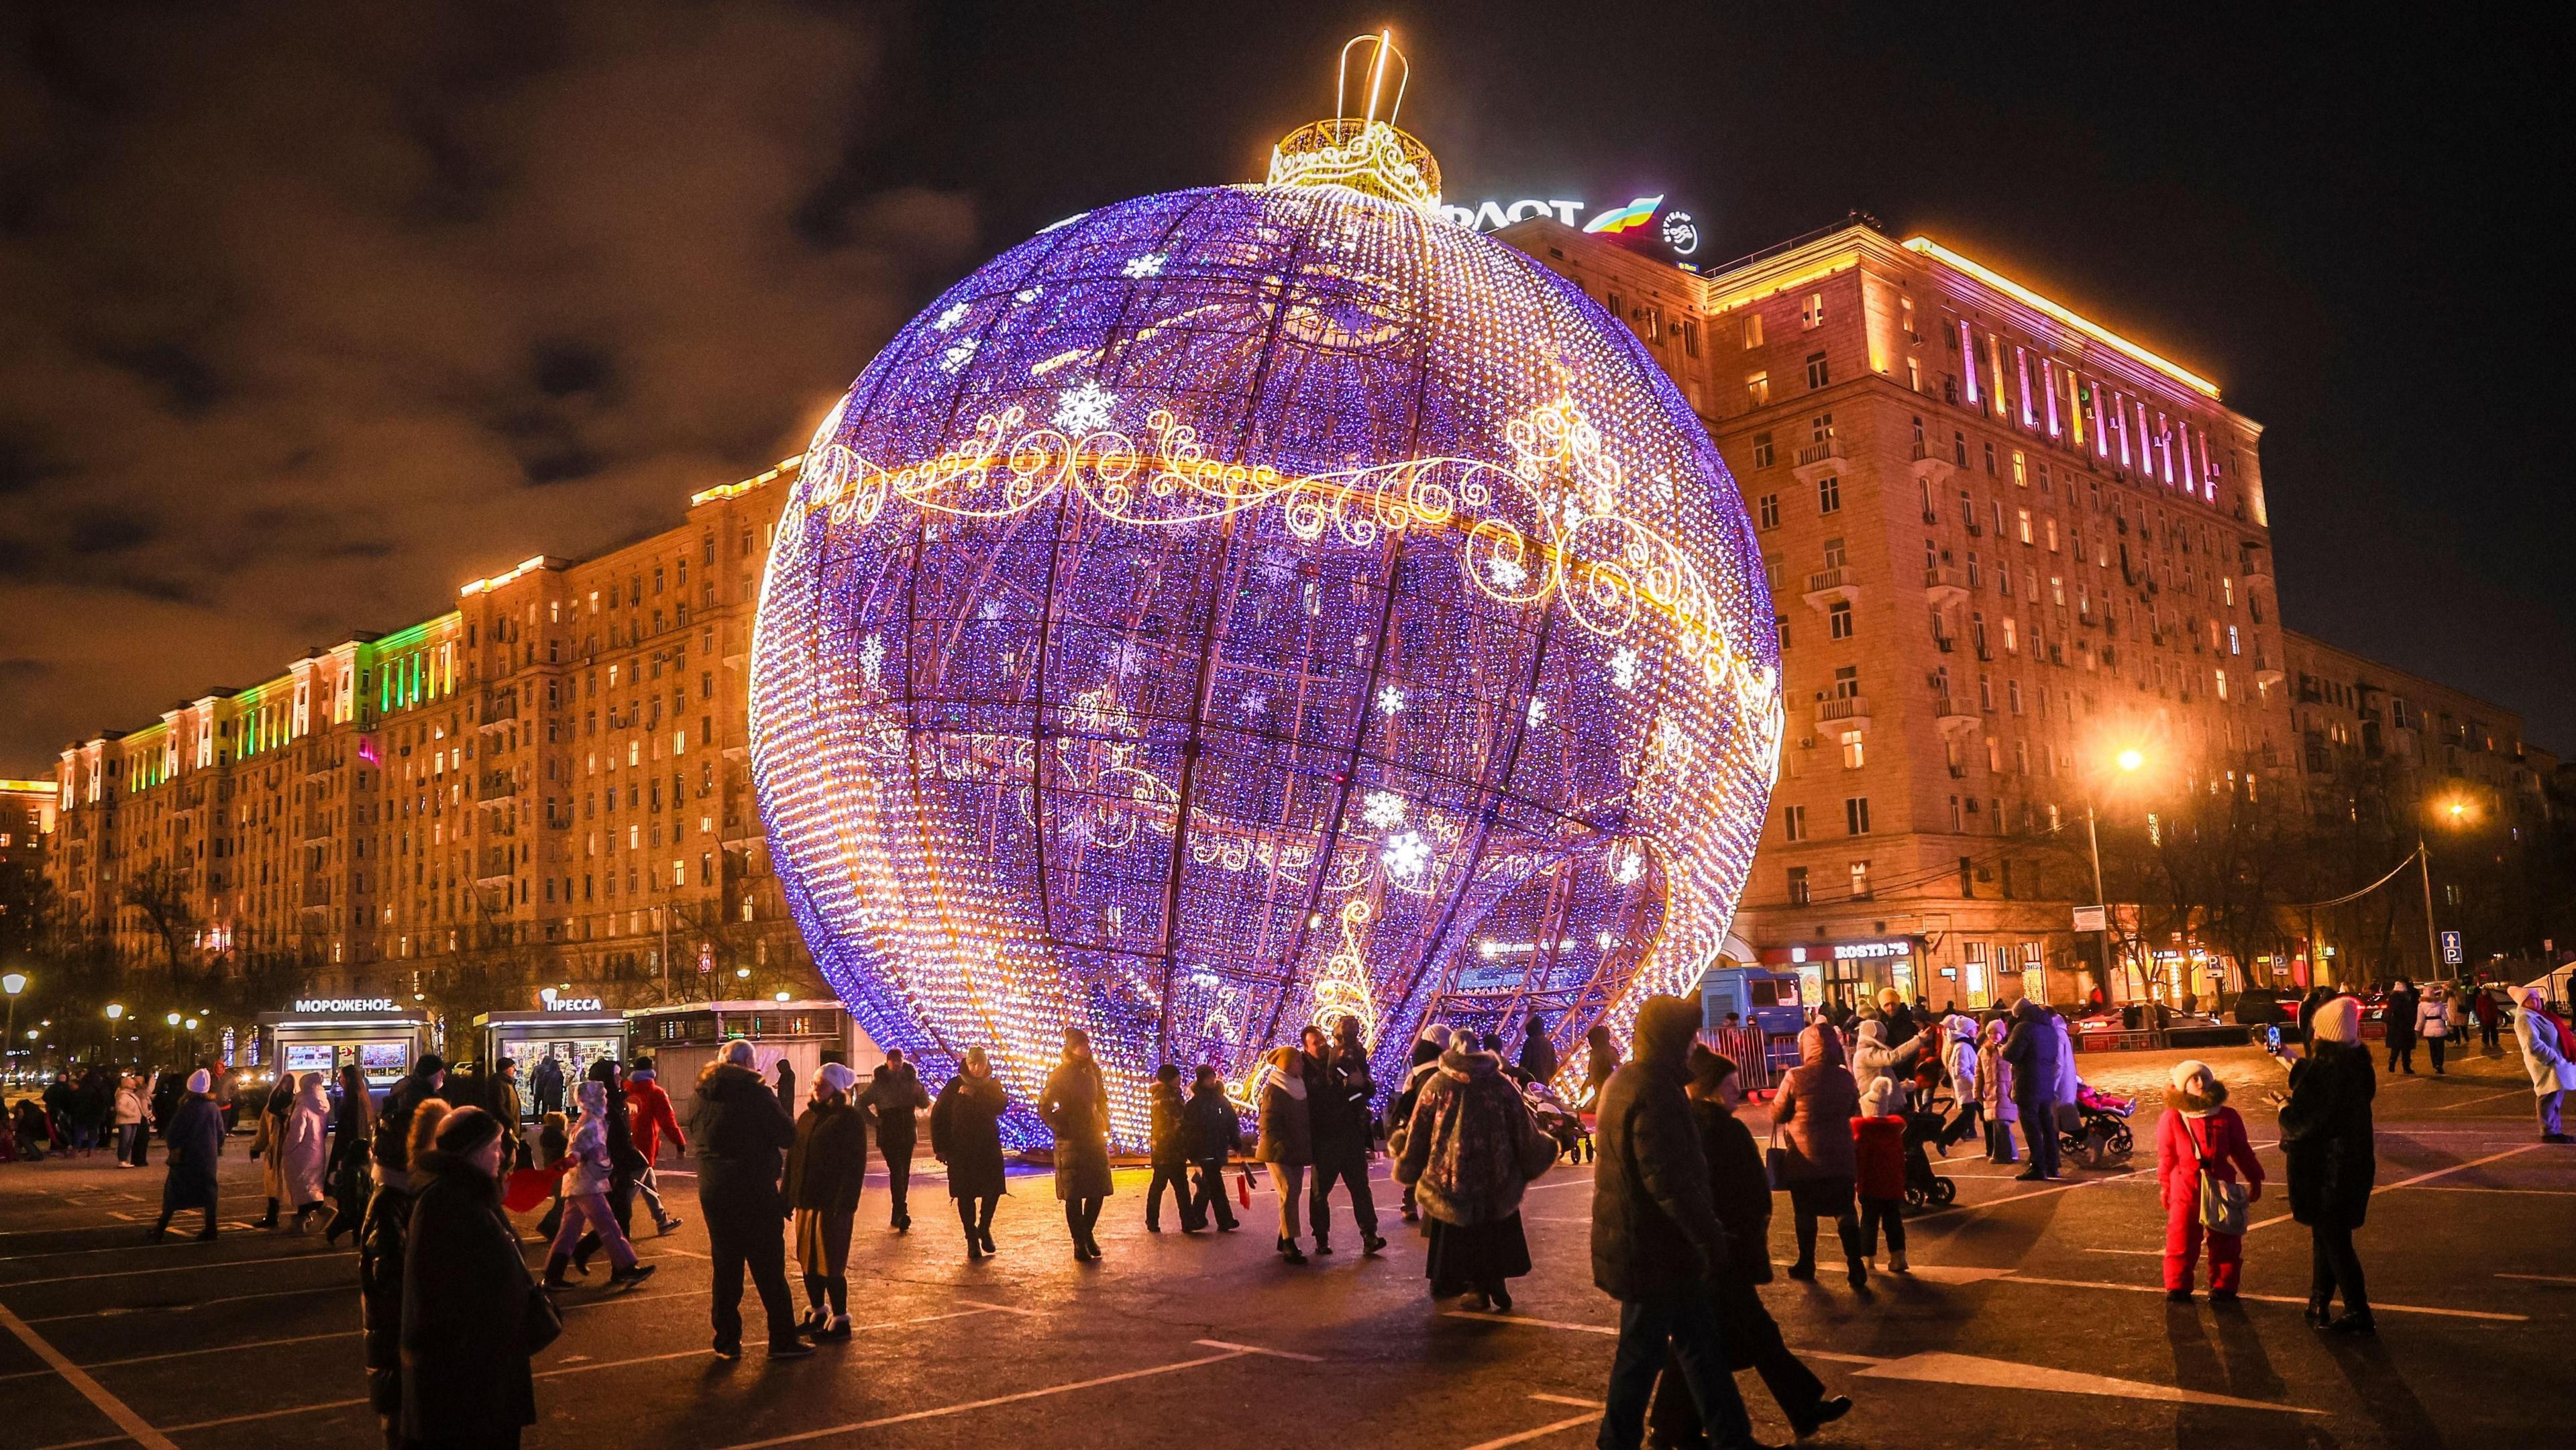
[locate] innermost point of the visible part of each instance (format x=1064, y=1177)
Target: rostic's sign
x=345, y=1004
x=1644, y=219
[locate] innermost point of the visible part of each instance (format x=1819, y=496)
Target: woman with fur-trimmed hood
x=1468, y=1151
x=2199, y=1131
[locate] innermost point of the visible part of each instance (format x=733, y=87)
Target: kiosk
x=574, y=1031
x=684, y=1037
x=324, y=1034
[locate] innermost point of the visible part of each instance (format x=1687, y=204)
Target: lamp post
x=173, y=1020
x=12, y=984
x=2456, y=812
x=115, y=1015
x=2129, y=762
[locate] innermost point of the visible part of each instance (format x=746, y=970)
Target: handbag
x=1775, y=1167
x=2222, y=1204
x=544, y=1322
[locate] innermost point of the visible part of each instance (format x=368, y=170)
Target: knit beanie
x=2337, y=1020
x=1873, y=1101
x=836, y=1077
x=201, y=1081
x=2192, y=1076
x=465, y=1130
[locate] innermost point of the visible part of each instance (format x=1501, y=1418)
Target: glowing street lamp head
x=13, y=983
x=172, y=1019
x=2131, y=760
x=1287, y=586
x=115, y=1011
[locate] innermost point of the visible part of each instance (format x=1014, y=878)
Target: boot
x=270, y=1221
x=630, y=1276
x=555, y=1271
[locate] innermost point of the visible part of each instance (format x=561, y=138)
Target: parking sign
x=2450, y=949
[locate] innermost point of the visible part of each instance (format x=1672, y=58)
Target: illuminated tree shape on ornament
x=1067, y=676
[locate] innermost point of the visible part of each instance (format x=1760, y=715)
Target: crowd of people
x=427, y=1180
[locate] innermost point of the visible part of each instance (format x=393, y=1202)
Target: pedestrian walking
x=305, y=1156
x=547, y=1083
x=353, y=1132
x=1469, y=1150
x=2397, y=1019
x=1898, y=1023
x=825, y=1172
x=1600, y=1059
x=2548, y=1057
x=648, y=1120
x=1538, y=1054
x=471, y=1319
x=131, y=1118
x=787, y=1086
x=1210, y=1131
x=624, y=1161
x=1995, y=1093
x=1342, y=1130
x=2482, y=1005
x=1286, y=1140
x=743, y=1136
x=1811, y=1135
x=588, y=1179
x=510, y=1106
x=1657, y=1246
x=1878, y=1173
x=1167, y=1147
x=268, y=1143
x=1740, y=1192
x=2201, y=1150
x=966, y=1135
x=1075, y=1108
x=393, y=1117
x=2327, y=1137
x=2455, y=1012
x=1427, y=1047
x=2032, y=1049
x=895, y=1099
x=2433, y=1023
x=195, y=1133
x=382, y=1241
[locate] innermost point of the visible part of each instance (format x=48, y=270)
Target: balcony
x=1942, y=582
x=2258, y=569
x=495, y=787
x=1953, y=716
x=1830, y=448
x=1827, y=587
x=1836, y=713
x=1930, y=466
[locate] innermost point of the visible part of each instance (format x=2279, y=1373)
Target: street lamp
x=13, y=983
x=115, y=1014
x=2129, y=762
x=2454, y=812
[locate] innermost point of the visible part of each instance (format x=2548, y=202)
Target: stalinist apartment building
x=549, y=779
x=2005, y=545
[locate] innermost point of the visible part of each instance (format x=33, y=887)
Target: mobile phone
x=2272, y=1039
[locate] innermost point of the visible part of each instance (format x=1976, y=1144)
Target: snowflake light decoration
x=955, y=314
x=1327, y=452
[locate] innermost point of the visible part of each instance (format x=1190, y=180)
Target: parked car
x=2257, y=1007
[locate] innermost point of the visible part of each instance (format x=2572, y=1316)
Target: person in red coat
x=2199, y=1128
x=648, y=1110
x=1878, y=1149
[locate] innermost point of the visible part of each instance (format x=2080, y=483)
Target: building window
x=1797, y=886
x=1829, y=494
x=1690, y=337
x=1780, y=624
x=1860, y=880
x=1820, y=428
x=1956, y=825
x=1817, y=375
x=2012, y=695
x=1813, y=314
x=1905, y=310
x=1770, y=510
x=1753, y=329
x=1856, y=815
x=2021, y=469
x=1853, y=755
x=1838, y=621
x=1762, y=450
x=1793, y=823
x=1757, y=389
x=1990, y=460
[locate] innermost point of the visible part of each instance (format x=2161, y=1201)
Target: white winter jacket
x=2431, y=1020
x=2552, y=1070
x=1873, y=1059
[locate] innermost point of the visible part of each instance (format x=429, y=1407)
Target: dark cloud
x=304, y=298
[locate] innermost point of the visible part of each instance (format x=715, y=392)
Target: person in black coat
x=1075, y=1108
x=742, y=1136
x=1338, y=1089
x=825, y=1171
x=1740, y=1190
x=1538, y=1055
x=1210, y=1131
x=1657, y=1246
x=384, y=1238
x=2326, y=1135
x=2397, y=1017
x=353, y=1132
x=893, y=1098
x=467, y=1332
x=1167, y=1146
x=393, y=1117
x=195, y=1132
x=966, y=1134
x=547, y=1084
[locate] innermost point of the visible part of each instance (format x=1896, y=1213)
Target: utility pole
x=2101, y=900
x=2432, y=942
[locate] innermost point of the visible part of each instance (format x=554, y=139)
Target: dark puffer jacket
x=741, y=1133
x=1739, y=1188
x=2327, y=1137
x=830, y=1160
x=1655, y=1233
x=1811, y=1116
x=1168, y=1136
x=1471, y=1147
x=382, y=1240
x=1076, y=1109
x=966, y=1134
x=465, y=1376
x=1210, y=1127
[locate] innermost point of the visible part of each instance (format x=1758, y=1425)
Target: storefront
x=325, y=1034
x=1852, y=971
x=574, y=1031
x=683, y=1038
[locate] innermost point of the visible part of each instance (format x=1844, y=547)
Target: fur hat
x=1875, y=1098
x=201, y=1081
x=2337, y=1019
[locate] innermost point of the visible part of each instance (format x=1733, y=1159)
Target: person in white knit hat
x=2200, y=1134
x=196, y=1138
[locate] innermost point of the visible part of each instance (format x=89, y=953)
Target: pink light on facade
x=2120, y=422
x=2021, y=367
x=1968, y=350
x=2164, y=446
x=2048, y=378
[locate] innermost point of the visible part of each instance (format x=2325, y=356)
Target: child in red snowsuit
x=1878, y=1147
x=2199, y=1127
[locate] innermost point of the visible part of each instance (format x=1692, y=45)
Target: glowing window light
x=1381, y=404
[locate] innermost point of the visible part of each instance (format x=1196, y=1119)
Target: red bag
x=529, y=1187
x=1243, y=1188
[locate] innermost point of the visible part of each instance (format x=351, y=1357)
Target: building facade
x=2005, y=546
x=547, y=783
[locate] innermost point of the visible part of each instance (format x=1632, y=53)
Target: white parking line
x=2541, y=1278
x=1257, y=1349
x=114, y=1312
x=1591, y=1415
x=2488, y=1098
x=136, y=1428
x=985, y=1404
x=270, y=1261
x=2411, y=1182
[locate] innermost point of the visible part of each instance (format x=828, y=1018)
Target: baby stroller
x=1925, y=1189
x=1558, y=1121
x=2101, y=1124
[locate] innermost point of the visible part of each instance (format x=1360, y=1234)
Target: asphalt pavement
x=2034, y=1314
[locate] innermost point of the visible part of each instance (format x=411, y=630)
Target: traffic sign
x=2451, y=955
x=2092, y=918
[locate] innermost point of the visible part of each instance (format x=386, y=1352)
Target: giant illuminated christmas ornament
x=1237, y=608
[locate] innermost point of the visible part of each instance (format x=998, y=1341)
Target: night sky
x=311, y=312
